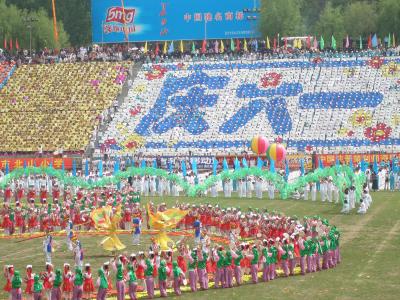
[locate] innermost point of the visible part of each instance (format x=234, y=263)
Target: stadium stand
x=53, y=107
x=329, y=105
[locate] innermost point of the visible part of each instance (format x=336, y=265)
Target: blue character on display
x=197, y=231
x=137, y=228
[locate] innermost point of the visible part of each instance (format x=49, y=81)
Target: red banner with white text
x=14, y=163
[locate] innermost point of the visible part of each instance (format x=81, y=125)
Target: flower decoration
x=378, y=133
x=343, y=132
x=376, y=62
x=361, y=118
x=133, y=141
x=350, y=133
x=141, y=88
x=157, y=72
x=134, y=111
x=391, y=69
x=350, y=72
x=309, y=148
x=317, y=60
x=94, y=82
x=271, y=80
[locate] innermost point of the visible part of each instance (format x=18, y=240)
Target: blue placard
x=166, y=20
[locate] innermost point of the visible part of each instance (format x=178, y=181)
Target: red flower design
x=271, y=79
x=156, y=73
x=378, y=133
x=376, y=62
x=279, y=139
x=317, y=60
x=309, y=148
x=131, y=145
x=135, y=111
x=350, y=133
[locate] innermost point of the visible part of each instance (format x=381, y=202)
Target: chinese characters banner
x=14, y=163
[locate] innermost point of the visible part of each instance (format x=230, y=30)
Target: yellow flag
x=299, y=45
x=245, y=45
x=165, y=48
x=145, y=48
x=222, y=47
x=181, y=46
x=268, y=45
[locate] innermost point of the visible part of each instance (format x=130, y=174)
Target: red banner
x=330, y=159
x=14, y=163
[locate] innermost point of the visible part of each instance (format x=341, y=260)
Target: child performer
x=88, y=286
x=29, y=282
x=137, y=228
x=56, y=293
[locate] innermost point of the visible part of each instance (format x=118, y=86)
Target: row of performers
x=156, y=269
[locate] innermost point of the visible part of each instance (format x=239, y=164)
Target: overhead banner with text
x=115, y=21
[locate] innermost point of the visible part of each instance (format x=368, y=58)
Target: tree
x=331, y=22
x=281, y=16
x=389, y=17
x=13, y=26
x=360, y=19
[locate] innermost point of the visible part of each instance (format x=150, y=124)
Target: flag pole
x=55, y=31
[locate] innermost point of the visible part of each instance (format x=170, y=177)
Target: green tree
x=281, y=16
x=360, y=19
x=389, y=17
x=331, y=23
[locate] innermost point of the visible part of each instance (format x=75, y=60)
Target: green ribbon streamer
x=343, y=177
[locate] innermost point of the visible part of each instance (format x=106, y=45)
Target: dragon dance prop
x=162, y=221
x=342, y=176
x=107, y=220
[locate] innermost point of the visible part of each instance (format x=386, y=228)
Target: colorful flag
x=87, y=168
x=244, y=163
x=315, y=43
x=74, y=168
x=171, y=48
x=302, y=167
x=204, y=47
x=183, y=166
x=374, y=41
x=145, y=48
x=347, y=42
x=333, y=43
x=245, y=46
x=222, y=47
x=268, y=44
x=181, y=47
x=16, y=44
x=361, y=44
x=375, y=167
x=194, y=166
x=157, y=49
x=256, y=45
x=215, y=166
x=308, y=42
x=322, y=43
x=193, y=48
x=285, y=41
x=369, y=45
x=237, y=45
x=271, y=165
x=10, y=46
x=216, y=46
x=232, y=45
x=165, y=48
x=389, y=42
x=274, y=43
x=100, y=168
x=260, y=163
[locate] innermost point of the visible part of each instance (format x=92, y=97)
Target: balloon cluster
x=342, y=176
x=275, y=151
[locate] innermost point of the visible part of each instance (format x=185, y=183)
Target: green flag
x=322, y=43
x=232, y=45
x=389, y=41
x=193, y=48
x=333, y=43
x=361, y=43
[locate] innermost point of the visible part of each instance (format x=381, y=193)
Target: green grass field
x=370, y=267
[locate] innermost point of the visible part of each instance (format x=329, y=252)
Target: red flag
x=237, y=45
x=16, y=44
x=5, y=44
x=11, y=44
x=274, y=43
x=285, y=42
x=308, y=42
x=369, y=42
x=157, y=49
x=204, y=47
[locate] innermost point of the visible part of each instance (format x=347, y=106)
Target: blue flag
x=351, y=164
x=363, y=165
x=171, y=48
x=51, y=165
x=337, y=162
x=244, y=163
x=320, y=164
x=25, y=164
x=260, y=163
x=225, y=165
x=155, y=164
x=116, y=166
x=272, y=166
x=132, y=162
x=170, y=166
x=143, y=164
x=74, y=168
x=87, y=168
x=100, y=168
x=63, y=166
x=287, y=170
x=194, y=166
x=237, y=164
x=395, y=165
x=184, y=171
x=7, y=169
x=375, y=167
x=302, y=167
x=215, y=166
x=374, y=41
